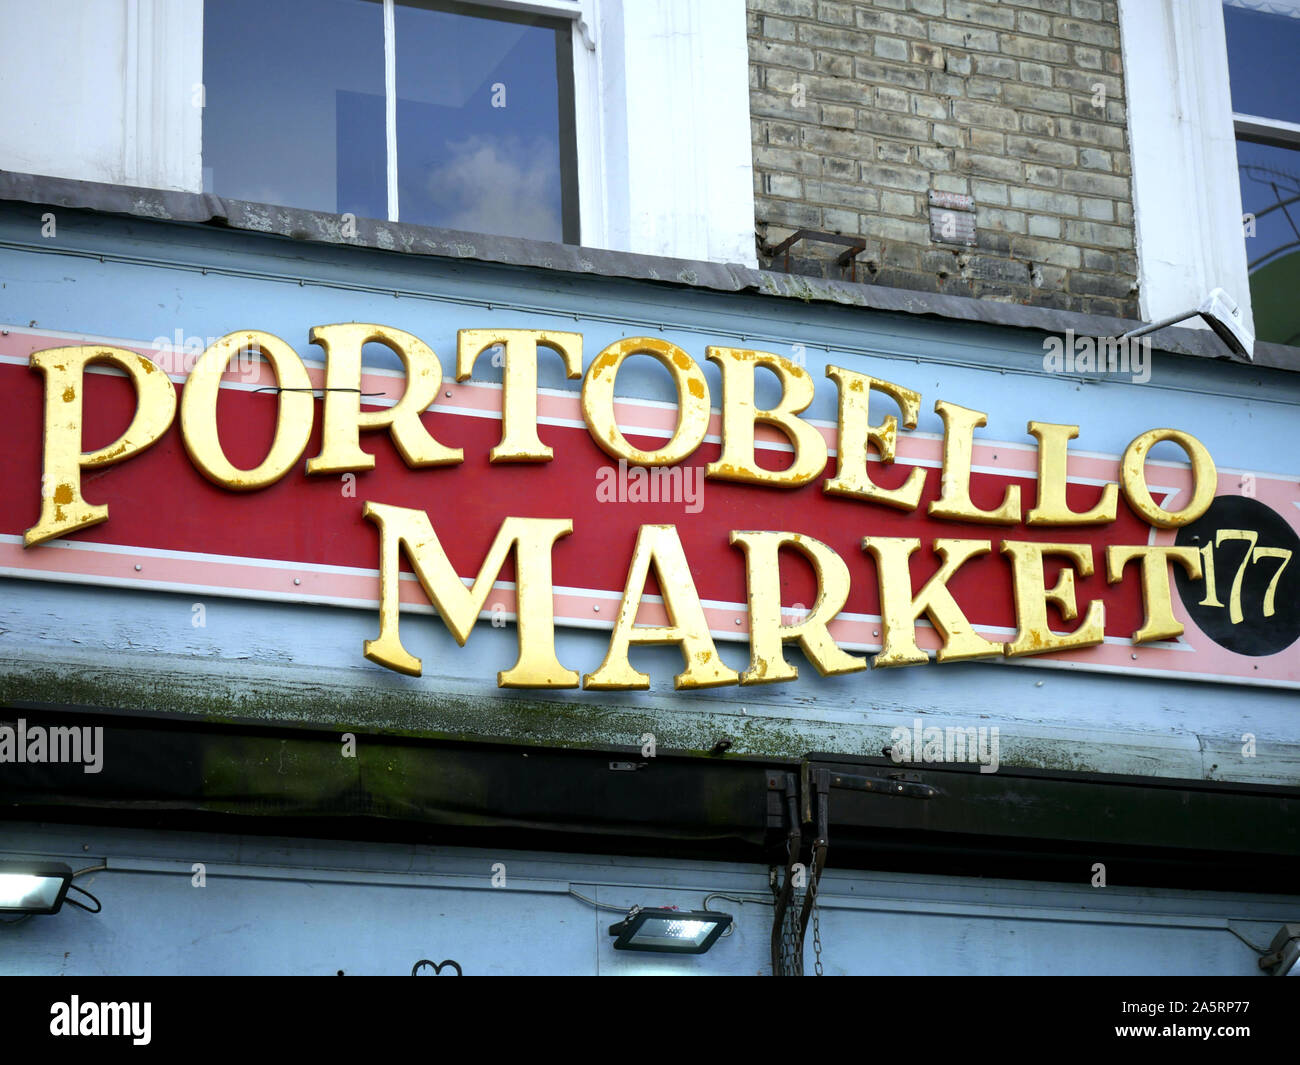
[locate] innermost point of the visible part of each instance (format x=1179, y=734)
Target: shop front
x=364, y=607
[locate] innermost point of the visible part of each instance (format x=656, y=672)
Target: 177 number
x=1253, y=554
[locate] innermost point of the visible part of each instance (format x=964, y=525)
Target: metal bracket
x=856, y=246
x=817, y=795
x=905, y=785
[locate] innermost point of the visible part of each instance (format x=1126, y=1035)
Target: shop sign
x=863, y=542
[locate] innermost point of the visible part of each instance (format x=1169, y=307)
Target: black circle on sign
x=1254, y=634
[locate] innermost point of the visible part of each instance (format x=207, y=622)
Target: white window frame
x=105, y=92
x=1272, y=131
x=665, y=170
x=675, y=147
x=580, y=34
x=163, y=134
x=1257, y=129
x=1267, y=130
x=668, y=171
x=586, y=98
x=661, y=101
x=1186, y=190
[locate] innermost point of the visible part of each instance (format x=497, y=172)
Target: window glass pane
x=1263, y=49
x=294, y=109
x=479, y=139
x=1270, y=177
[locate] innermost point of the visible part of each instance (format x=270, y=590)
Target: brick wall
x=861, y=109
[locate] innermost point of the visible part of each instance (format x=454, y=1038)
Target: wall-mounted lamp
x=1283, y=952
x=667, y=930
x=33, y=887
x=1221, y=313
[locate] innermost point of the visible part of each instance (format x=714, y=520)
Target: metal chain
x=785, y=961
x=790, y=961
x=796, y=942
x=817, y=929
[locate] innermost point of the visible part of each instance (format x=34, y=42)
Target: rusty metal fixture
x=794, y=843
x=808, y=805
x=856, y=246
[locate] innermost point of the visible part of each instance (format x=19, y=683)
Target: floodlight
x=1221, y=313
x=33, y=887
x=668, y=930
